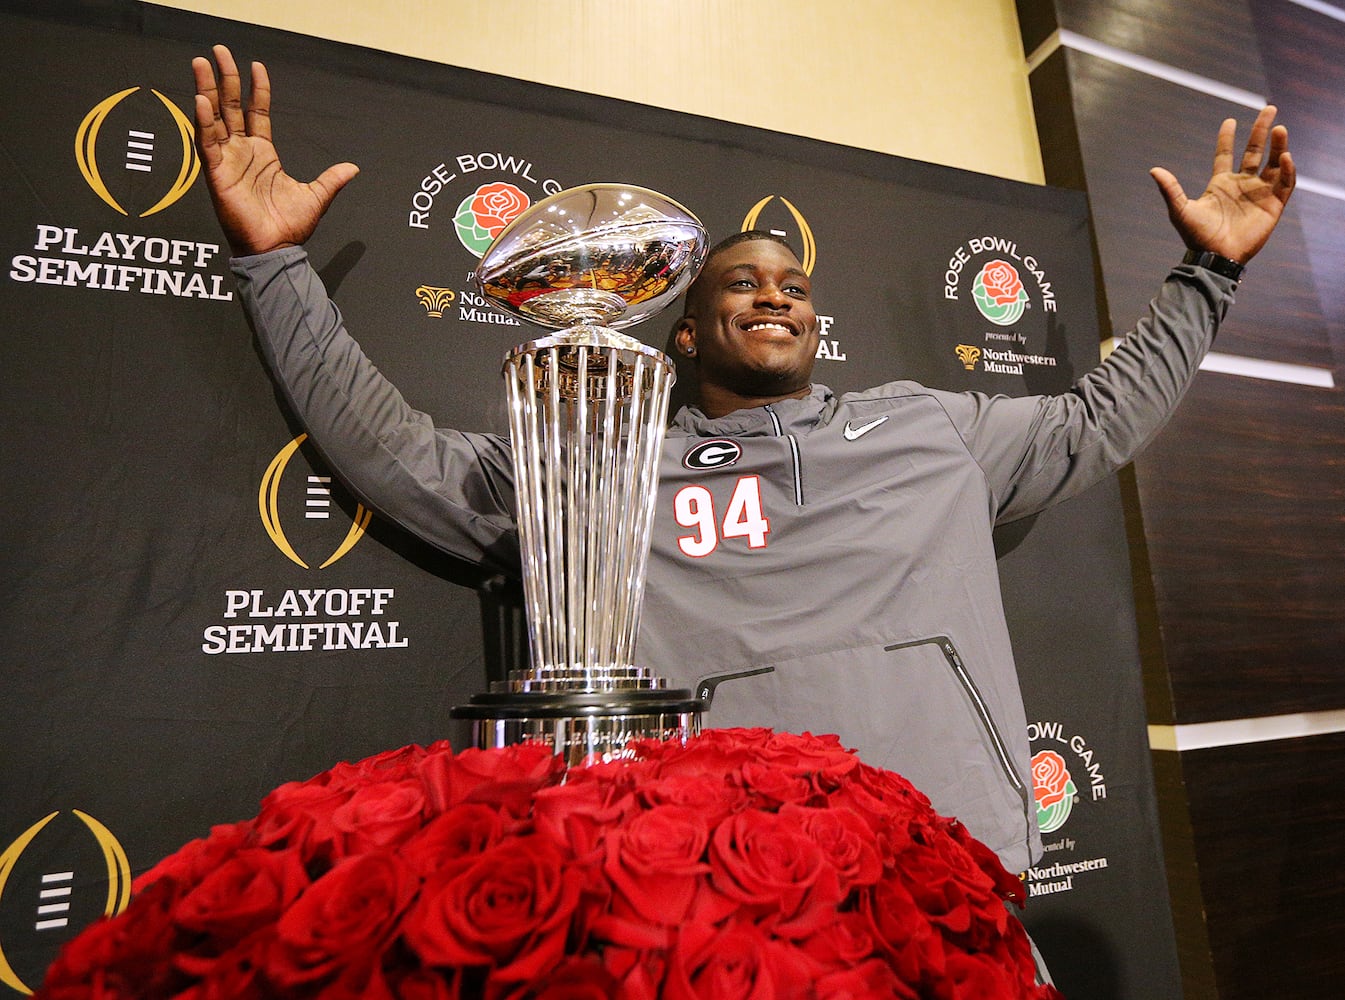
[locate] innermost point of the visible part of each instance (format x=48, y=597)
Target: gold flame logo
x=118, y=877
x=268, y=504
x=968, y=355
x=86, y=151
x=809, y=248
x=435, y=299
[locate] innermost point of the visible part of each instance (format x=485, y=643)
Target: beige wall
x=941, y=82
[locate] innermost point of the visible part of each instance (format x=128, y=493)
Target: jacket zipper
x=983, y=713
x=794, y=456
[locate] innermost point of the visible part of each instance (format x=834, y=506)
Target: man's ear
x=684, y=335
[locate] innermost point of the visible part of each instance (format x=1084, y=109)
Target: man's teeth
x=752, y=327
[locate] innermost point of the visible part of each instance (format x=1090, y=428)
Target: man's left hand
x=1239, y=209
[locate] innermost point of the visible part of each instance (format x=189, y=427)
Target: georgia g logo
x=717, y=453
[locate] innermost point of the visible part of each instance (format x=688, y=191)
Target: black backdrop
x=173, y=644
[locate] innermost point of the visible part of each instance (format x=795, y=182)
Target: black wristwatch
x=1212, y=261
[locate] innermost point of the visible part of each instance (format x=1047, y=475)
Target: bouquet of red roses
x=744, y=863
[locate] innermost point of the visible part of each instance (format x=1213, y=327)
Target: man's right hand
x=259, y=206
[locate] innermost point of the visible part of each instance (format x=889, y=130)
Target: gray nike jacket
x=821, y=564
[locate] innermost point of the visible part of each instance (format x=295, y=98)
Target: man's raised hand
x=1239, y=209
x=259, y=206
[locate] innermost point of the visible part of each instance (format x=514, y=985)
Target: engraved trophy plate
x=587, y=411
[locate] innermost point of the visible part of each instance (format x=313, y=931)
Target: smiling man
x=749, y=325
x=819, y=562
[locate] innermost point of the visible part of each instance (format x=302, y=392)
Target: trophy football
x=587, y=411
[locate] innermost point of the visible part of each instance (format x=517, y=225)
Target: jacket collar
x=796, y=416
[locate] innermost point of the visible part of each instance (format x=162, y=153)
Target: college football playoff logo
x=317, y=506
x=53, y=906
x=141, y=149
x=807, y=245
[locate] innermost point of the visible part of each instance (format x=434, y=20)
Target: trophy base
x=584, y=728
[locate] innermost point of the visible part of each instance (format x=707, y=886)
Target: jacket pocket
x=912, y=707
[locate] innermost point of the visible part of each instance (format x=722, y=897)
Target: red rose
x=902, y=930
x=509, y=908
x=715, y=754
x=893, y=790
x=248, y=891
x=948, y=896
x=871, y=980
x=1050, y=778
x=714, y=800
x=1001, y=282
x=975, y=977
x=822, y=756
x=507, y=778
x=738, y=961
x=637, y=972
x=348, y=913
x=576, y=979
x=1007, y=885
x=578, y=814
x=496, y=205
x=190, y=862
x=390, y=765
x=845, y=839
x=773, y=785
x=235, y=975
x=379, y=815
x=464, y=831
x=299, y=815
x=760, y=860
x=655, y=859
x=843, y=943
x=422, y=983
x=359, y=979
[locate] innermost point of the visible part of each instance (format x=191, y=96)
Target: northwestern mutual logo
x=1006, y=284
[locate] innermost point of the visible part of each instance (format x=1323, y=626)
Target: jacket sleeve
x=452, y=489
x=1038, y=450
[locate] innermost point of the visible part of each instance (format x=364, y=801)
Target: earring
x=690, y=351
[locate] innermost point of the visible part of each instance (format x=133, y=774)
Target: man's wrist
x=1217, y=263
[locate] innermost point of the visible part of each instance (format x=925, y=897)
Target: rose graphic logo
x=1053, y=789
x=999, y=293
x=484, y=213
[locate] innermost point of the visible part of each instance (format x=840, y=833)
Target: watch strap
x=1212, y=261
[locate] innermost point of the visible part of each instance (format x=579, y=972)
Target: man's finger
x=230, y=91
x=1223, y=146
x=1171, y=189
x=208, y=130
x=1256, y=142
x=1286, y=177
x=259, y=107
x=208, y=125
x=329, y=183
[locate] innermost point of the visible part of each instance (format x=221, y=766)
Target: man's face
x=751, y=321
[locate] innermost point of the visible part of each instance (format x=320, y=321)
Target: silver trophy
x=587, y=411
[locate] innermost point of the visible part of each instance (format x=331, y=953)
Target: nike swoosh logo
x=853, y=433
